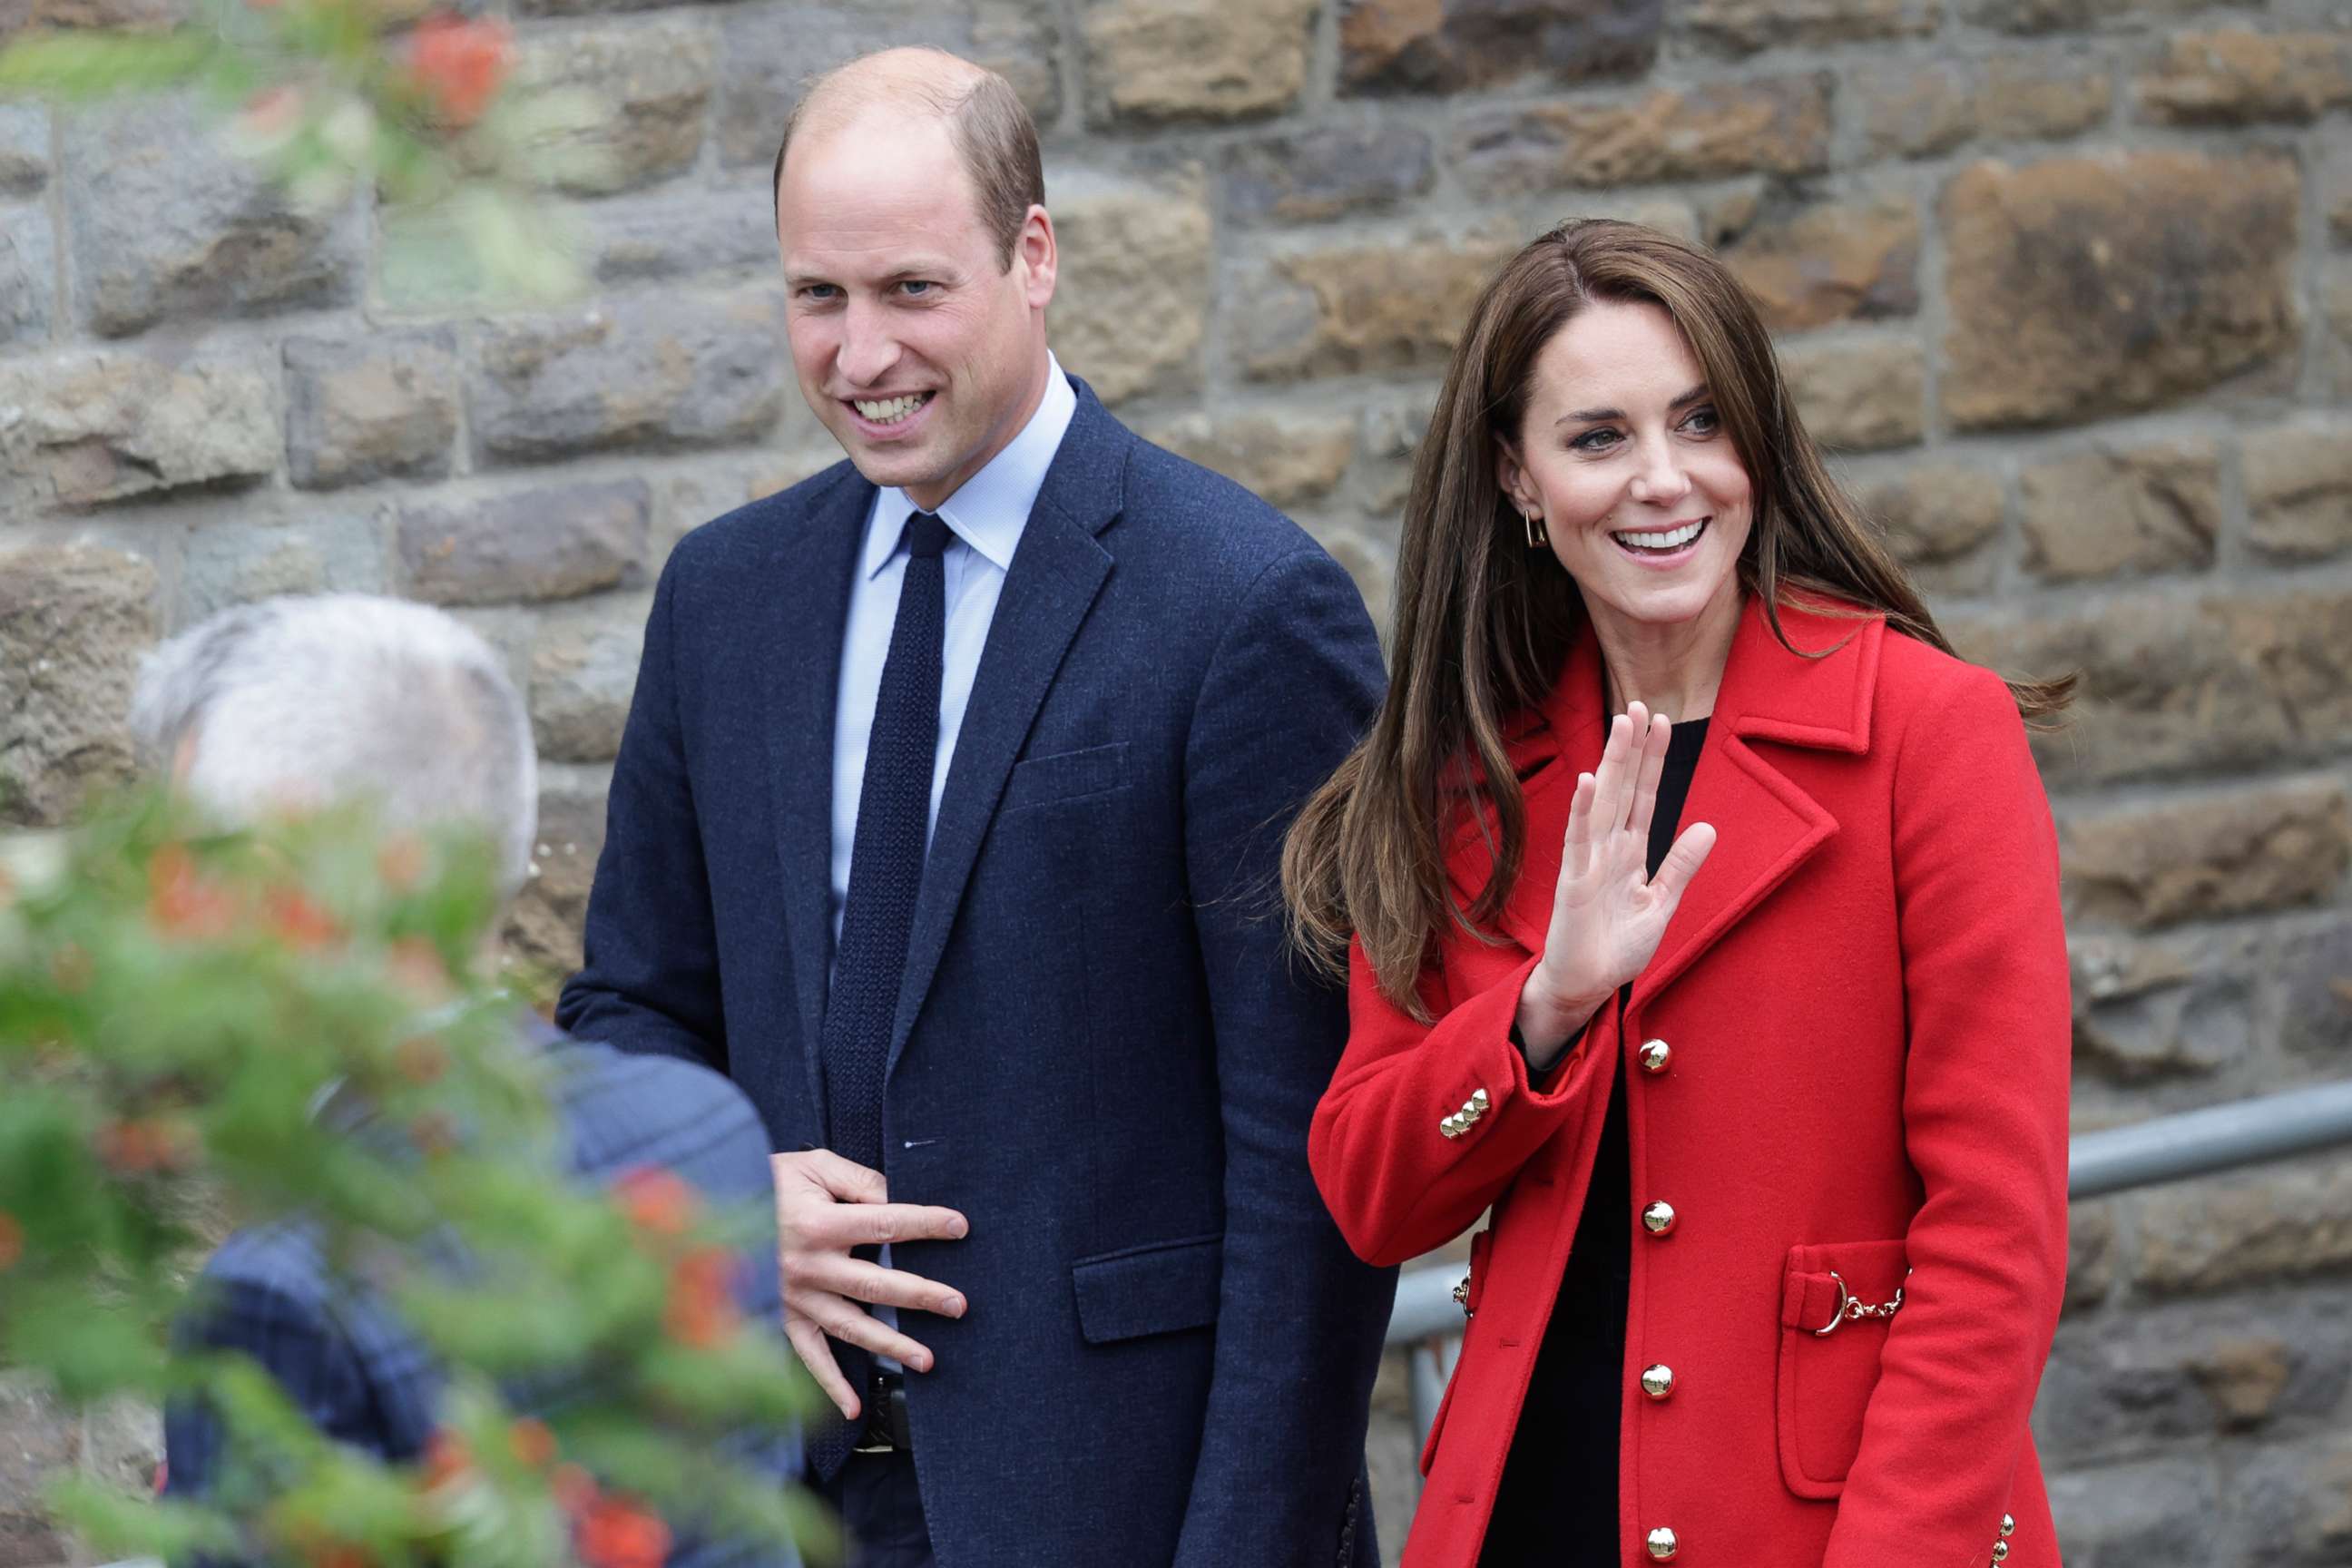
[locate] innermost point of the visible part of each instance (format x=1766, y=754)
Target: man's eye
x=918, y=286
x=818, y=290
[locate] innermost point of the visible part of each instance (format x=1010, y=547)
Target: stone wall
x=2067, y=284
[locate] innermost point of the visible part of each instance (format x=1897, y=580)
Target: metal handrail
x=2111, y=1159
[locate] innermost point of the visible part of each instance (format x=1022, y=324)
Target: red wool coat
x=1849, y=1056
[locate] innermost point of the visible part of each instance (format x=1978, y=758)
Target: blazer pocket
x=1826, y=1380
x=1154, y=1289
x=1065, y=775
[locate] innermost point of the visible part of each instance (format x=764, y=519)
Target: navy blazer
x=1105, y=1054
x=364, y=1378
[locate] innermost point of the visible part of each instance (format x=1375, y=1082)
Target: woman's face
x=1622, y=455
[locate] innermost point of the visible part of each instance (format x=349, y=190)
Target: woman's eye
x=1702, y=421
x=1599, y=440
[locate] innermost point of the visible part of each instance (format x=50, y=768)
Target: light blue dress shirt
x=984, y=518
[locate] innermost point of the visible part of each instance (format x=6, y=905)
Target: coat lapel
x=1767, y=826
x=811, y=572
x=1056, y=573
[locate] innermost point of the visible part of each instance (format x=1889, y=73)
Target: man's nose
x=868, y=348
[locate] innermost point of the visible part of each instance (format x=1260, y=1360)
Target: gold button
x=2000, y=1551
x=1655, y=1055
x=1480, y=1100
x=1658, y=1218
x=2008, y=1525
x=1451, y=1127
x=1658, y=1381
x=1663, y=1543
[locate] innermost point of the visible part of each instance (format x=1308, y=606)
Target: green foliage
x=200, y=1029
x=329, y=96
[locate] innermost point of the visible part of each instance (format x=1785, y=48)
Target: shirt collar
x=988, y=510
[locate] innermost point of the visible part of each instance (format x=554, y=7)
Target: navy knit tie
x=886, y=859
x=886, y=872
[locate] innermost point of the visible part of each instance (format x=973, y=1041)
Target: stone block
x=2034, y=17
x=2335, y=307
x=1774, y=125
x=2315, y=994
x=2270, y=847
x=28, y=277
x=647, y=372
x=584, y=668
x=2145, y=1012
x=167, y=223
x=553, y=544
x=24, y=147
x=2163, y=1513
x=1939, y=523
x=1744, y=27
x=2191, y=1373
x=1130, y=310
x=1157, y=62
x=2297, y=1501
x=2122, y=510
x=81, y=429
x=2234, y=77
x=1370, y=562
x=366, y=408
x=122, y=1442
x=2171, y=686
x=1456, y=45
x=2236, y=1233
x=541, y=935
x=74, y=619
x=1924, y=112
x=1287, y=459
x=649, y=87
x=1861, y=394
x=2090, y=1249
x=226, y=563
x=680, y=234
x=767, y=52
x=1349, y=309
x=38, y=1440
x=125, y=16
x=2335, y=191
x=2081, y=286
x=2298, y=481
x=1845, y=261
x=1323, y=172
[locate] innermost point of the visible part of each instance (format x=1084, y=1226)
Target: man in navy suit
x=945, y=822
x=311, y=700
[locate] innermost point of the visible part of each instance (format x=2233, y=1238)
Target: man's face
x=918, y=349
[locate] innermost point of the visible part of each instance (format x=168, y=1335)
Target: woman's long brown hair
x=1484, y=624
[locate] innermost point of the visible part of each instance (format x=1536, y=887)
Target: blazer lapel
x=810, y=573
x=1766, y=824
x=1056, y=573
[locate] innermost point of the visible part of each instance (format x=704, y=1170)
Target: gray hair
x=344, y=696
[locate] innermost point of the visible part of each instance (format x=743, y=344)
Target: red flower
x=136, y=1146
x=701, y=1310
x=421, y=1059
x=532, y=1442
x=297, y=923
x=655, y=1200
x=574, y=1488
x=181, y=903
x=12, y=1241
x=460, y=64
x=447, y=1458
x=618, y=1534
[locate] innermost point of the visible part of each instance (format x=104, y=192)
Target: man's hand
x=826, y=1206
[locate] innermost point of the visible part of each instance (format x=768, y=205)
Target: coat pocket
x=1065, y=775
x=1826, y=1378
x=1153, y=1289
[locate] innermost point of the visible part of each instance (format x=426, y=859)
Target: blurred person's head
x=295, y=704
x=919, y=260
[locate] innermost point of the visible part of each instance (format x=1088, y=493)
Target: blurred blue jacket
x=342, y=1354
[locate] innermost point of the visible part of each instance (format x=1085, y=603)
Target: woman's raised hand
x=1608, y=913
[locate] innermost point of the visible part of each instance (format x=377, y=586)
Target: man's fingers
x=808, y=1343
x=1682, y=861
x=853, y=1326
x=844, y=1178
x=863, y=1281
x=844, y=1225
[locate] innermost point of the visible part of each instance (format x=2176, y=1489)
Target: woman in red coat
x=1700, y=911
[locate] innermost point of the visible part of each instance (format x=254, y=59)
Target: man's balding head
x=990, y=127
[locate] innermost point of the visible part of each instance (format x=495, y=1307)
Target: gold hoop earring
x=1538, y=536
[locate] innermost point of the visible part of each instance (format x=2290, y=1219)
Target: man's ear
x=1036, y=252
